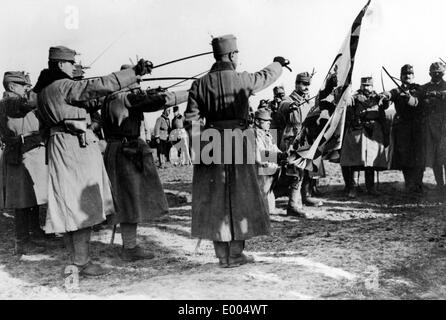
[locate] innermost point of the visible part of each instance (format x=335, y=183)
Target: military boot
x=236, y=255
x=370, y=182
x=23, y=243
x=314, y=190
x=222, y=252
x=307, y=199
x=295, y=206
x=135, y=254
x=93, y=270
x=37, y=235
x=439, y=179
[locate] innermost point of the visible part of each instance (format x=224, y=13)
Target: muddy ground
x=387, y=247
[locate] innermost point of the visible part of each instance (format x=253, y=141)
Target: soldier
x=24, y=160
x=278, y=121
x=179, y=138
x=137, y=189
x=266, y=150
x=294, y=110
x=228, y=206
x=433, y=104
x=363, y=145
x=79, y=194
x=407, y=131
x=161, y=131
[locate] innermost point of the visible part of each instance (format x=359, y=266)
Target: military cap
x=303, y=77
x=263, y=114
x=407, y=69
x=278, y=89
x=62, y=53
x=224, y=44
x=17, y=77
x=437, y=67
x=367, y=81
x=176, y=108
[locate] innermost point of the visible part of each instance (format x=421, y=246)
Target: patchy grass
x=386, y=247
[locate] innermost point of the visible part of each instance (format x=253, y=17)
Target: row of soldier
x=64, y=167
x=53, y=157
x=410, y=142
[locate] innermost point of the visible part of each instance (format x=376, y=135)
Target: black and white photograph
x=239, y=152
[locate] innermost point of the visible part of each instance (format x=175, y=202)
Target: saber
x=396, y=83
x=307, y=100
x=180, y=82
x=181, y=59
x=168, y=78
x=442, y=60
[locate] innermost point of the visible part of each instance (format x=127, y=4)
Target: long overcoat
x=364, y=139
x=79, y=193
x=434, y=122
x=25, y=174
x=407, y=143
x=227, y=203
x=137, y=189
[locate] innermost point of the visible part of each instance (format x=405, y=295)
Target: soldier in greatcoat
x=363, y=147
x=25, y=173
x=432, y=97
x=79, y=194
x=228, y=206
x=161, y=132
x=407, y=131
x=137, y=189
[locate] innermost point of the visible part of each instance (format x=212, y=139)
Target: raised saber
x=180, y=82
x=393, y=80
x=169, y=78
x=181, y=59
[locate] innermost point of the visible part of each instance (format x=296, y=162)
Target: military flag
x=323, y=128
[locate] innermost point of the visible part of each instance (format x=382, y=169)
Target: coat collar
x=221, y=66
x=295, y=96
x=9, y=94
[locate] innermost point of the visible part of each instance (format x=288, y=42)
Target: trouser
x=78, y=245
x=296, y=194
x=27, y=223
x=369, y=178
x=225, y=249
x=349, y=179
x=128, y=234
x=438, y=173
x=413, y=176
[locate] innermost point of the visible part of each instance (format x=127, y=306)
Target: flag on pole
x=328, y=114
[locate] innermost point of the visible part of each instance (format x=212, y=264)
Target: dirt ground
x=387, y=247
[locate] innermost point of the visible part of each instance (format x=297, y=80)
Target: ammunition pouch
x=134, y=149
x=77, y=127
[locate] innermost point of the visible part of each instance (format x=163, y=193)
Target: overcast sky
x=309, y=33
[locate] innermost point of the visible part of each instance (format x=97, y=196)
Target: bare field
x=387, y=247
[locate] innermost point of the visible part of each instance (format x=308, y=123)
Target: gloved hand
x=332, y=81
x=143, y=67
x=282, y=156
x=386, y=95
x=283, y=62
